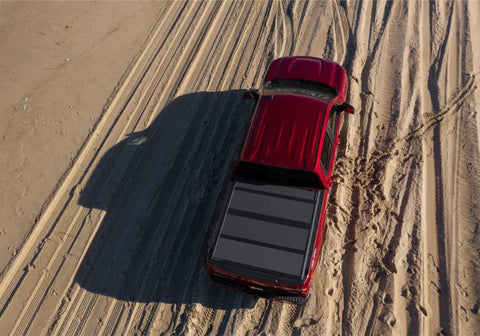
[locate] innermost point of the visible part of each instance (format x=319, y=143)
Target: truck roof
x=285, y=132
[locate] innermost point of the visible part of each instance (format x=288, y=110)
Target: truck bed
x=268, y=231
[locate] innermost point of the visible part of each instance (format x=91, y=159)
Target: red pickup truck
x=269, y=232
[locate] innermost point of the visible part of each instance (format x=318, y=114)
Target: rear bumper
x=260, y=291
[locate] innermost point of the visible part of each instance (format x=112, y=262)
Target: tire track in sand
x=392, y=253
x=89, y=152
x=153, y=101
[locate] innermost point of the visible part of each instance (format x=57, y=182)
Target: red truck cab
x=269, y=232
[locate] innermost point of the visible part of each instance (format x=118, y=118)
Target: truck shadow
x=158, y=189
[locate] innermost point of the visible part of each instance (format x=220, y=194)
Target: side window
x=332, y=120
x=326, y=151
x=328, y=141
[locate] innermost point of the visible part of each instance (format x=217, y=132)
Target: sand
x=119, y=125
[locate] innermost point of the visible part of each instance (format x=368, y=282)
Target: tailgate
x=269, y=228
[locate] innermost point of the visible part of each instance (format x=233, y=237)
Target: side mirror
x=347, y=108
x=252, y=94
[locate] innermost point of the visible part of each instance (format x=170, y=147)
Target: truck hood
x=310, y=69
x=285, y=131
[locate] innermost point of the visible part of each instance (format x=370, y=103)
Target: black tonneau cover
x=268, y=231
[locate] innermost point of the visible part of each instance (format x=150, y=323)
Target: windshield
x=300, y=87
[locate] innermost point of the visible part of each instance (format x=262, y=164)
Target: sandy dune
x=107, y=234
